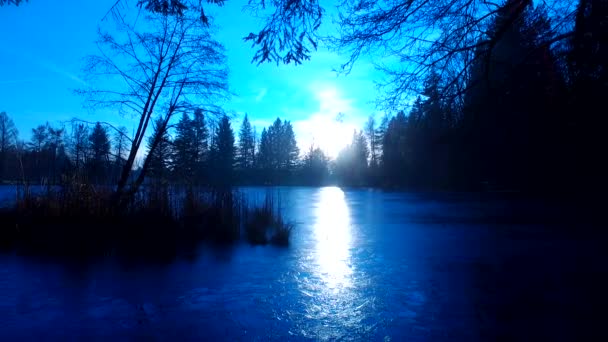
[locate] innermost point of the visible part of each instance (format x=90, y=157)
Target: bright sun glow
x=330, y=135
x=324, y=128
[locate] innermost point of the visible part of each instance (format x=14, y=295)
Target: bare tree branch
x=408, y=39
x=164, y=65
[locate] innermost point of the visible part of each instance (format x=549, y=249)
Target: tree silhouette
x=264, y=155
x=39, y=137
x=588, y=74
x=288, y=147
x=160, y=155
x=246, y=146
x=162, y=66
x=395, y=150
x=351, y=164
x=8, y=140
x=315, y=167
x=120, y=149
x=488, y=96
x=184, y=150
x=278, y=153
x=99, y=161
x=223, y=152
x=201, y=145
x=430, y=35
x=371, y=134
x=79, y=145
x=514, y=99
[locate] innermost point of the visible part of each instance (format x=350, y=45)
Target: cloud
x=44, y=64
x=18, y=81
x=261, y=95
x=56, y=69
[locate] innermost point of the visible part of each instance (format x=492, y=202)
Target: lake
x=362, y=265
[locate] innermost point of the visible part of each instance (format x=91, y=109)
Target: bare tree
x=120, y=144
x=288, y=34
x=8, y=132
x=163, y=65
x=40, y=137
x=407, y=38
x=78, y=144
x=410, y=38
x=8, y=138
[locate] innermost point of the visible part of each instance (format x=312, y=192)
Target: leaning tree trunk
x=123, y=196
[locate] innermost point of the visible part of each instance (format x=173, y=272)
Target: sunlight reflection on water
x=335, y=306
x=332, y=231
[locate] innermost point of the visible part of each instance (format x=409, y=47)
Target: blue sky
x=41, y=57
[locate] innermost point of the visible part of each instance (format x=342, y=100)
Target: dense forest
x=527, y=115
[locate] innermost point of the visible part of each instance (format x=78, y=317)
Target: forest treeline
x=196, y=150
x=529, y=115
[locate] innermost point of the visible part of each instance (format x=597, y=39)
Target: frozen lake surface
x=362, y=265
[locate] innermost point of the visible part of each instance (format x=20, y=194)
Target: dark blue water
x=362, y=265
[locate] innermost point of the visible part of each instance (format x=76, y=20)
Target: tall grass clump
x=214, y=215
x=78, y=218
x=264, y=224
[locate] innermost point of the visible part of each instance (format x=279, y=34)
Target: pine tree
x=256, y=142
x=395, y=150
x=274, y=134
x=184, y=150
x=246, y=147
x=315, y=167
x=288, y=147
x=264, y=152
x=99, y=144
x=160, y=159
x=278, y=153
x=361, y=151
x=201, y=145
x=510, y=104
x=380, y=132
x=223, y=152
x=99, y=147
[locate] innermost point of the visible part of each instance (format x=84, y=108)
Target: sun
x=325, y=132
x=331, y=127
x=332, y=137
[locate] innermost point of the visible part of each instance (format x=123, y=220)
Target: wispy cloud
x=44, y=64
x=261, y=95
x=58, y=70
x=19, y=81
